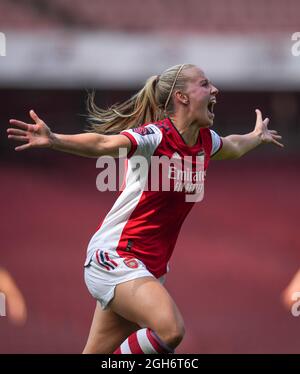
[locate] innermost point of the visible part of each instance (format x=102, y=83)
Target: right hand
x=266, y=135
x=36, y=135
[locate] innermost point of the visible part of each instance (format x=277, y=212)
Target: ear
x=183, y=98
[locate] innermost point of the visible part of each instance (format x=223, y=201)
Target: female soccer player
x=128, y=255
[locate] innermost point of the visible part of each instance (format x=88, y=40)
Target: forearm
x=85, y=144
x=6, y=282
x=242, y=144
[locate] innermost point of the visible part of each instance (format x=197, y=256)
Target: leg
x=107, y=332
x=145, y=302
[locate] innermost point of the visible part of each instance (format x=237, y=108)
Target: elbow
x=236, y=152
x=236, y=156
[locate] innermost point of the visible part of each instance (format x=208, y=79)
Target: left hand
x=266, y=135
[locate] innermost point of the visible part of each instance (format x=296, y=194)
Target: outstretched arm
x=39, y=135
x=17, y=311
x=235, y=146
x=289, y=296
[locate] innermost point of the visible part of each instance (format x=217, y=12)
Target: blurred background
x=238, y=249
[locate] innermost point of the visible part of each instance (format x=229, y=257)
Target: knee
x=171, y=334
x=174, y=336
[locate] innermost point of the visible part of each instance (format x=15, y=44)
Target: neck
x=188, y=129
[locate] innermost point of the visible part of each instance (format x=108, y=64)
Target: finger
x=266, y=121
x=277, y=143
x=273, y=131
x=34, y=116
x=19, y=138
x=16, y=132
x=22, y=147
x=20, y=124
x=276, y=136
x=258, y=115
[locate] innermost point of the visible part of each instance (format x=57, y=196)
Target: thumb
x=258, y=116
x=34, y=116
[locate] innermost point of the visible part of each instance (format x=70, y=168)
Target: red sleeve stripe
x=133, y=143
x=221, y=145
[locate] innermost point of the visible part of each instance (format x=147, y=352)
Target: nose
x=214, y=90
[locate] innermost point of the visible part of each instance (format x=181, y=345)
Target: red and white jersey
x=144, y=222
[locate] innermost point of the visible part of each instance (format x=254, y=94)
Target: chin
x=209, y=123
x=205, y=122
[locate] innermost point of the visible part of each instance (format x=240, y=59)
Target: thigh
x=146, y=302
x=102, y=279
x=108, y=331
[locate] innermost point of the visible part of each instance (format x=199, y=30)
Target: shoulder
x=216, y=142
x=164, y=125
x=146, y=129
x=212, y=142
x=158, y=127
x=144, y=138
x=209, y=135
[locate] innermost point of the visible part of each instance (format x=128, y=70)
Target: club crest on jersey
x=143, y=130
x=131, y=263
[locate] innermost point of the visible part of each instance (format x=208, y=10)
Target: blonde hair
x=152, y=103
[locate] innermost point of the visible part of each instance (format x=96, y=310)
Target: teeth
x=211, y=105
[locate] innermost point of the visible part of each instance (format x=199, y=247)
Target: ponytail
x=140, y=108
x=152, y=103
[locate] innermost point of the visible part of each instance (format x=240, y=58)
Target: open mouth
x=210, y=107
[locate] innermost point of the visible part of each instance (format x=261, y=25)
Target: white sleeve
x=144, y=139
x=216, y=142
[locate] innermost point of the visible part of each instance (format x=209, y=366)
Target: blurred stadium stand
x=247, y=247
x=153, y=15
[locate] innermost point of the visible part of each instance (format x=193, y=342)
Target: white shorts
x=106, y=270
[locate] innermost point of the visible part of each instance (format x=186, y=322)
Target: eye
x=205, y=83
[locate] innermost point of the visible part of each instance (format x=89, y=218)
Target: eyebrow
x=205, y=80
